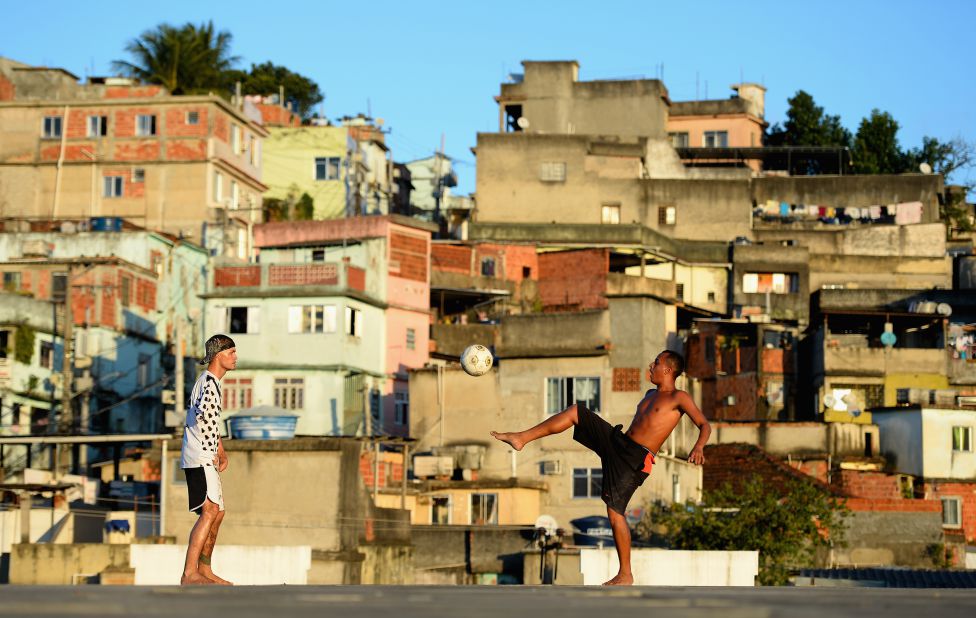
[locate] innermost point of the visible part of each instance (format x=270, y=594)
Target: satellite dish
x=522, y=122
x=944, y=309
x=547, y=523
x=925, y=168
x=829, y=400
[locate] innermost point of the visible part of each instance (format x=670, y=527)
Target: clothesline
x=904, y=213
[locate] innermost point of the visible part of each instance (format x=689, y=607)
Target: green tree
x=267, y=78
x=786, y=527
x=186, y=59
x=807, y=125
x=875, y=149
x=291, y=208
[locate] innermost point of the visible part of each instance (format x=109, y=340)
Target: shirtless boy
x=627, y=457
x=203, y=460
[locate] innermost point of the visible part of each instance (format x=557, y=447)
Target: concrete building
x=346, y=169
x=934, y=444
x=432, y=179
x=329, y=322
x=877, y=348
x=187, y=165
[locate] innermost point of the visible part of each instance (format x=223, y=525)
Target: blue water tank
x=106, y=224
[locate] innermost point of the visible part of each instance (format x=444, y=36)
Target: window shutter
x=253, y=320
x=295, y=319
x=218, y=319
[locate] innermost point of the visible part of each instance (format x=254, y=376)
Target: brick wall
x=902, y=505
x=965, y=491
x=8, y=92
x=510, y=260
x=176, y=125
x=715, y=392
x=277, y=116
x=868, y=485
x=356, y=278
x=130, y=189
x=142, y=150
x=626, y=379
x=451, y=258
x=323, y=274
x=390, y=472
x=408, y=256
x=574, y=280
x=237, y=276
x=134, y=92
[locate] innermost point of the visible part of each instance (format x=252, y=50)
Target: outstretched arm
x=687, y=405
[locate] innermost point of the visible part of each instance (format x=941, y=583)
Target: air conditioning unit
x=552, y=467
x=425, y=466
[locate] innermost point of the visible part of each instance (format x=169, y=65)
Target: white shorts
x=203, y=483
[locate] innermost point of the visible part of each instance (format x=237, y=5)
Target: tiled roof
x=894, y=578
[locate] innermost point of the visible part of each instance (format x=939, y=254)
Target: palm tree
x=184, y=60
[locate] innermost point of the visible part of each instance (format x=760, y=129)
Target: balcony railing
x=329, y=274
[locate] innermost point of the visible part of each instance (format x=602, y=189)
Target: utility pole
x=67, y=370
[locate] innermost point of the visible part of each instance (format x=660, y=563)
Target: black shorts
x=199, y=488
x=626, y=464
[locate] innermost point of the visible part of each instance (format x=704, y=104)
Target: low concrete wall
x=664, y=567
x=387, y=564
x=58, y=565
x=162, y=565
x=889, y=538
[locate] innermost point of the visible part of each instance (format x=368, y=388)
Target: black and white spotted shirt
x=201, y=436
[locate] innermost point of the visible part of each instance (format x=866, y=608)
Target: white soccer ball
x=476, y=360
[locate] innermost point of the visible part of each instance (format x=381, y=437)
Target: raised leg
x=556, y=423
x=198, y=538
x=621, y=538
x=205, y=568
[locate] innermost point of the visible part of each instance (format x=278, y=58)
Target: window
x=142, y=372
x=59, y=285
x=243, y=320
x=113, y=186
x=513, y=114
x=440, y=510
x=774, y=283
x=237, y=393
x=353, y=322
x=11, y=281
x=962, y=438
x=235, y=138
x=312, y=319
x=484, y=509
x=145, y=125
x=138, y=175
x=552, y=171
x=564, y=392
x=488, y=267
x=679, y=140
x=587, y=482
x=193, y=118
x=715, y=139
x=235, y=195
x=679, y=291
x=327, y=168
x=401, y=408
x=318, y=255
x=610, y=213
x=52, y=126
x=47, y=355
x=951, y=512
x=97, y=126
x=376, y=410
x=4, y=342
x=666, y=215
x=526, y=272
x=218, y=187
x=289, y=393
x=256, y=153
x=711, y=297
x=411, y=339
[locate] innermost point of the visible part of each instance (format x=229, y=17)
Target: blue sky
x=432, y=68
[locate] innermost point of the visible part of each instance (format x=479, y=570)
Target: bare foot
x=511, y=439
x=195, y=579
x=620, y=580
x=209, y=574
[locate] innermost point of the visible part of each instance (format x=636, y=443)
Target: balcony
x=281, y=279
x=864, y=361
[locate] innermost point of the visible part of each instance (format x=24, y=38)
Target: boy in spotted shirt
x=204, y=458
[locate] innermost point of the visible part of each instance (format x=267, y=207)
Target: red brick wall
x=451, y=258
x=143, y=150
x=869, y=485
x=902, y=505
x=7, y=89
x=626, y=379
x=133, y=92
x=389, y=474
x=72, y=152
x=574, y=280
x=222, y=127
x=408, y=256
x=186, y=150
x=966, y=492
x=237, y=276
x=277, y=116
x=695, y=364
x=306, y=274
x=176, y=125
x=129, y=189
x=356, y=278
x=742, y=387
x=125, y=120
x=509, y=260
